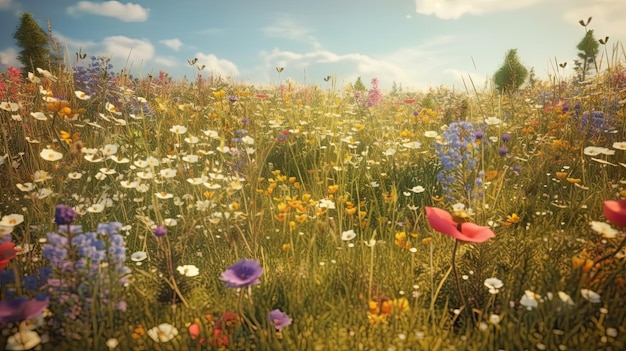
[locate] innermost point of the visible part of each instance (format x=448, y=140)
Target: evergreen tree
x=34, y=44
x=588, y=50
x=512, y=74
x=358, y=85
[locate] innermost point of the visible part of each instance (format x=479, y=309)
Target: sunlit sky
x=415, y=43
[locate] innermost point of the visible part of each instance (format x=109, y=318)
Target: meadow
x=158, y=214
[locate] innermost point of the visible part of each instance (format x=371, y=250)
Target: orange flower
x=333, y=188
x=490, y=175
x=561, y=175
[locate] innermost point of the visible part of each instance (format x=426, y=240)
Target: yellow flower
x=219, y=94
x=377, y=318
x=286, y=247
x=301, y=218
x=400, y=305
x=513, y=218
x=573, y=180
x=282, y=207
x=333, y=188
x=66, y=137
x=427, y=241
x=401, y=240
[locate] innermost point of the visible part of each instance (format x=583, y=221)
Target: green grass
x=289, y=152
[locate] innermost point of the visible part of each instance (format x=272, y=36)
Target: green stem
x=456, y=277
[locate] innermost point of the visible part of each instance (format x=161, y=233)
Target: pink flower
x=441, y=221
x=194, y=331
x=615, y=212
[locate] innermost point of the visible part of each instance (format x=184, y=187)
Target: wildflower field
x=157, y=214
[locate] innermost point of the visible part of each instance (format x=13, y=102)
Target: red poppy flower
x=7, y=252
x=262, y=96
x=615, y=212
x=409, y=101
x=441, y=221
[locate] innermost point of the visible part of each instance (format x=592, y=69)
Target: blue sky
x=416, y=43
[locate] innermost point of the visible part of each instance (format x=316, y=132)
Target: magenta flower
x=22, y=308
x=279, y=319
x=615, y=212
x=242, y=274
x=159, y=231
x=441, y=221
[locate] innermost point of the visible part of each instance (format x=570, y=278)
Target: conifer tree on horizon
x=33, y=42
x=588, y=51
x=511, y=74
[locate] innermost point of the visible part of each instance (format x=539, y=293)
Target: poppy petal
x=615, y=212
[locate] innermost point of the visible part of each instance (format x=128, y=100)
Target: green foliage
x=256, y=191
x=358, y=85
x=512, y=74
x=34, y=44
x=588, y=50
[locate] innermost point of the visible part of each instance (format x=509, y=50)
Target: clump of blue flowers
x=458, y=152
x=88, y=273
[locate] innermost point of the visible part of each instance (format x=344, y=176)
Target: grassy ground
x=328, y=193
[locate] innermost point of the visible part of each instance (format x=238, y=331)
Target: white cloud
x=124, y=12
x=165, y=61
x=8, y=57
x=216, y=66
x=453, y=9
x=607, y=17
x=119, y=47
x=73, y=44
x=174, y=44
x=283, y=26
x=398, y=66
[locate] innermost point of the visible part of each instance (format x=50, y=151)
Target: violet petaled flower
x=64, y=215
x=279, y=319
x=506, y=137
x=22, y=308
x=242, y=274
x=159, y=231
x=503, y=151
x=478, y=134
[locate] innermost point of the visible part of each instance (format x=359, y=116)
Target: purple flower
x=503, y=151
x=159, y=231
x=242, y=274
x=280, y=319
x=64, y=215
x=506, y=137
x=22, y=308
x=478, y=134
